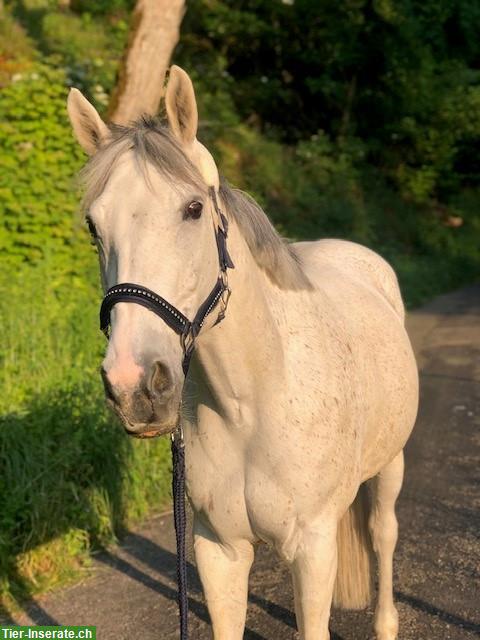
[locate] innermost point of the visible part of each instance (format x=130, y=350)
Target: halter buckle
x=227, y=292
x=177, y=435
x=224, y=298
x=187, y=340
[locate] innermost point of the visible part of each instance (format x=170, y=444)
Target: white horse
x=305, y=391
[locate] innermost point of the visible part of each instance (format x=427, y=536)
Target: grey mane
x=271, y=252
x=152, y=142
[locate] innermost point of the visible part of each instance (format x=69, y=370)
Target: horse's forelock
x=152, y=142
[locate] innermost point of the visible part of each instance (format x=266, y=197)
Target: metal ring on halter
x=178, y=432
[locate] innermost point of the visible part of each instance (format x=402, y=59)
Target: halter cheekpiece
x=188, y=331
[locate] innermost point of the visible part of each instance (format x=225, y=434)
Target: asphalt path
x=132, y=592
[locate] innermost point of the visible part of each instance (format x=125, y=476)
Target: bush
x=70, y=480
x=16, y=49
x=40, y=158
x=400, y=76
x=89, y=48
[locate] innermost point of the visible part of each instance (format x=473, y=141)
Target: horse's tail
x=353, y=585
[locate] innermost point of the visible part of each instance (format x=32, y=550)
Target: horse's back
x=355, y=262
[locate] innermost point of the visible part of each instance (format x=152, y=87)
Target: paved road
x=132, y=594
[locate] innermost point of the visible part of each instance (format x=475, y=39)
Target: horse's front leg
x=314, y=568
x=224, y=574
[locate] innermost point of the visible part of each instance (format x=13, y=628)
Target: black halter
x=173, y=317
x=188, y=331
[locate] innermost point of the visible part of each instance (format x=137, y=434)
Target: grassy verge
x=70, y=480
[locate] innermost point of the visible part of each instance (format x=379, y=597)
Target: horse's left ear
x=181, y=106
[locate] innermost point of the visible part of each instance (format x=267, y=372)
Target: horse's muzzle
x=150, y=409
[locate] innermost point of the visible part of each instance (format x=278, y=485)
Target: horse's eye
x=91, y=228
x=194, y=210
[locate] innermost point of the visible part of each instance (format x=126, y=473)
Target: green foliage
x=402, y=77
x=70, y=480
x=16, y=50
x=89, y=49
x=102, y=7
x=39, y=159
x=84, y=43
x=67, y=34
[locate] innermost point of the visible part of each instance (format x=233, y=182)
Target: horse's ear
x=181, y=106
x=90, y=130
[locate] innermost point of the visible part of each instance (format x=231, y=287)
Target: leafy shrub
x=402, y=77
x=70, y=480
x=39, y=161
x=88, y=48
x=67, y=34
x=102, y=7
x=16, y=49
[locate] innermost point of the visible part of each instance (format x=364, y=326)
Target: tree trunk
x=154, y=35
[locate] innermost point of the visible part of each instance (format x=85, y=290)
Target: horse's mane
x=272, y=253
x=152, y=142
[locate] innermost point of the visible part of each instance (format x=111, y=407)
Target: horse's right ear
x=90, y=130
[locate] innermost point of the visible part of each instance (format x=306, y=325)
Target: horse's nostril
x=160, y=380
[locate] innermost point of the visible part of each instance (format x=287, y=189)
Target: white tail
x=353, y=585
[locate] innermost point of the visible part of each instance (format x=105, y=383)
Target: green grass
x=70, y=481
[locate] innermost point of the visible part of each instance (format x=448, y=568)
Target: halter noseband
x=173, y=317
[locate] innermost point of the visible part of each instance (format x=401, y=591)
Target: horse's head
x=149, y=211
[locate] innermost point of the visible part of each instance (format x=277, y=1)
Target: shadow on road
x=165, y=565
x=430, y=609
x=35, y=611
x=163, y=562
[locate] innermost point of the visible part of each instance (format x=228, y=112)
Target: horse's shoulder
x=354, y=261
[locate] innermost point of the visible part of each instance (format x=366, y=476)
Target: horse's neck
x=232, y=357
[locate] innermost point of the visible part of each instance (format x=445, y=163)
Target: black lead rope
x=180, y=514
x=188, y=331
x=180, y=520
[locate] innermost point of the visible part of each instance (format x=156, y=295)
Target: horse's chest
x=241, y=502
x=263, y=494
